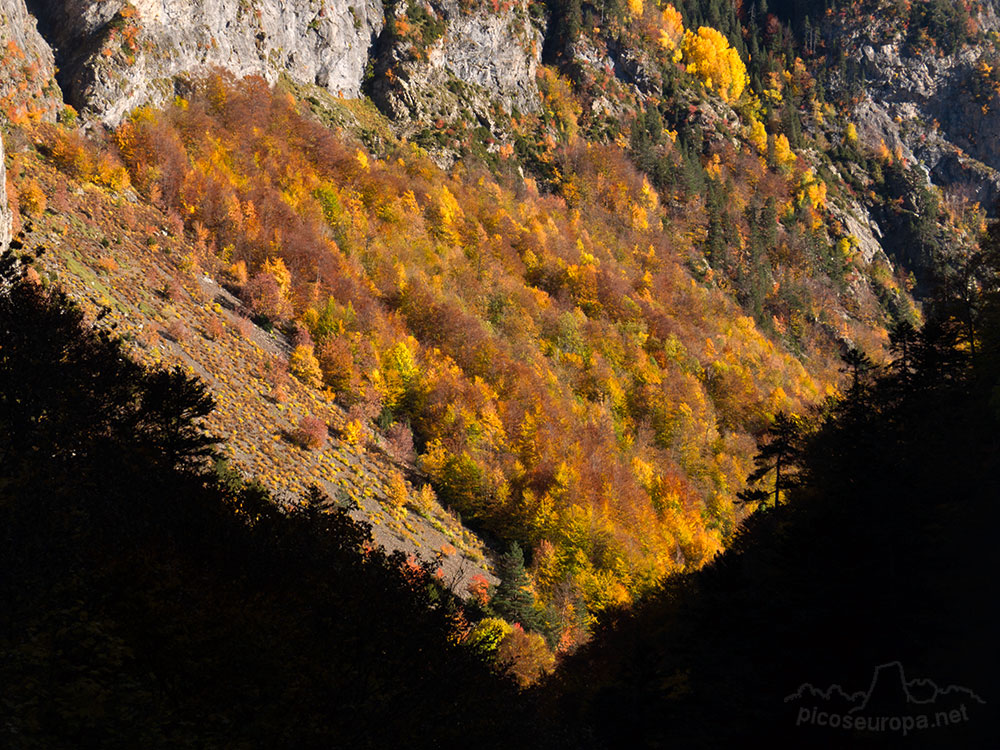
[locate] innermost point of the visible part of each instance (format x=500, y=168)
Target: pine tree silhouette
x=778, y=454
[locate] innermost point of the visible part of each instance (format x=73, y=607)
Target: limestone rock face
x=939, y=110
x=4, y=210
x=472, y=59
x=28, y=89
x=117, y=55
x=499, y=52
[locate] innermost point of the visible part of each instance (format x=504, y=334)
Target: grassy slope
x=115, y=254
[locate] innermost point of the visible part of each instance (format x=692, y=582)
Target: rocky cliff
x=435, y=61
x=4, y=212
x=117, y=55
x=940, y=110
x=28, y=89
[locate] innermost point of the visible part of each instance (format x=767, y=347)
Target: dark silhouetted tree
x=779, y=456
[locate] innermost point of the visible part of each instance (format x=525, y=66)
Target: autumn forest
x=315, y=415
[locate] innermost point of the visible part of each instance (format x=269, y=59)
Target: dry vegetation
x=582, y=368
x=561, y=377
x=141, y=285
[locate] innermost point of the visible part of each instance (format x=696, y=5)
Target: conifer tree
x=902, y=342
x=513, y=597
x=779, y=454
x=858, y=365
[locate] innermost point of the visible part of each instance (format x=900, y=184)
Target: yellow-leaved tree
x=268, y=292
x=784, y=157
x=561, y=106
x=707, y=54
x=276, y=267
x=757, y=134
x=812, y=190
x=671, y=32
x=302, y=363
x=444, y=215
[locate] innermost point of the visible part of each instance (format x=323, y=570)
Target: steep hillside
x=780, y=639
x=28, y=89
x=130, y=264
x=475, y=342
x=5, y=215
x=917, y=82
x=918, y=78
x=661, y=334
x=148, y=602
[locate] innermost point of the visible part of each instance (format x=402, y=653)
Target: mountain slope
x=28, y=89
x=5, y=216
x=877, y=558
x=560, y=300
x=149, y=602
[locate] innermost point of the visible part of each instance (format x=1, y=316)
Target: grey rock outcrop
x=117, y=55
x=497, y=51
x=5, y=218
x=481, y=59
x=933, y=108
x=859, y=225
x=28, y=89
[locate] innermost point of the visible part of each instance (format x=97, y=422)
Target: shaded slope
x=884, y=556
x=145, y=603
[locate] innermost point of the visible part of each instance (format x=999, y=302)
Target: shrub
x=148, y=337
x=275, y=372
x=337, y=364
x=214, y=329
x=304, y=365
x=237, y=273
x=171, y=290
x=425, y=500
x=60, y=198
x=488, y=634
x=175, y=224
x=244, y=327
x=112, y=174
x=479, y=589
x=31, y=276
x=107, y=264
x=525, y=656
x=311, y=433
x=399, y=439
x=264, y=296
x=397, y=492
x=68, y=117
x=300, y=336
x=276, y=375
x=71, y=154
x=32, y=198
x=354, y=432
x=178, y=332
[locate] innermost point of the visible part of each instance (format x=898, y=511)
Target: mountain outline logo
x=862, y=698
x=891, y=703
